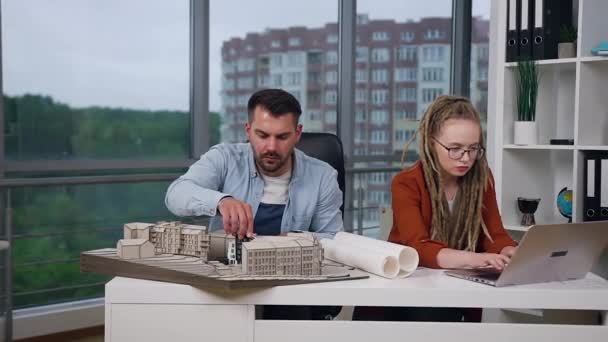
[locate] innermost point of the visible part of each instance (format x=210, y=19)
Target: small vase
x=566, y=50
x=525, y=133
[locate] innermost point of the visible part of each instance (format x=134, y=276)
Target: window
x=228, y=84
x=380, y=36
x=330, y=117
x=360, y=95
x=483, y=52
x=264, y=81
x=380, y=55
x=314, y=76
x=360, y=135
x=432, y=74
x=380, y=76
x=379, y=137
x=361, y=76
x=275, y=44
x=405, y=75
x=295, y=59
x=331, y=57
x=228, y=67
x=331, y=77
x=332, y=38
x=405, y=115
x=360, y=116
x=246, y=64
x=406, y=94
x=407, y=53
x=379, y=96
x=433, y=53
x=276, y=61
x=429, y=94
x=380, y=117
x=294, y=41
x=294, y=78
x=245, y=83
x=482, y=73
x=403, y=135
x=407, y=36
x=331, y=97
x=277, y=80
x=434, y=34
x=361, y=54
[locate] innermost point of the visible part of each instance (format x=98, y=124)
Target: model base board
x=190, y=270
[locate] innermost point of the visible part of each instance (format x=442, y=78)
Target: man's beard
x=271, y=168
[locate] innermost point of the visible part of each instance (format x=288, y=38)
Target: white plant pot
x=525, y=133
x=566, y=50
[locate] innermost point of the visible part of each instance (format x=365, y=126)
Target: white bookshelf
x=572, y=104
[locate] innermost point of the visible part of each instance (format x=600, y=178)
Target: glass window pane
x=96, y=79
x=52, y=225
x=480, y=55
x=408, y=66
x=297, y=52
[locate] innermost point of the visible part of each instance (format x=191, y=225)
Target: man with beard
x=265, y=186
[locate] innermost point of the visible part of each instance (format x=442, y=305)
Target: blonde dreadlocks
x=459, y=230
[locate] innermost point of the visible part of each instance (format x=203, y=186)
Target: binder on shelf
x=512, y=37
x=538, y=35
x=525, y=47
x=595, y=178
x=549, y=16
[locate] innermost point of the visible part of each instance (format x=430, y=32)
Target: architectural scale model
x=188, y=254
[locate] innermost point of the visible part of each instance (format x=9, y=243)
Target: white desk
x=141, y=310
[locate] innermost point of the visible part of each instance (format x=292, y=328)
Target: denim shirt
x=314, y=197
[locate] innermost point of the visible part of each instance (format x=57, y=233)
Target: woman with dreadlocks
x=444, y=205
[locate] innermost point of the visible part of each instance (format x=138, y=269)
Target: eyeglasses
x=457, y=153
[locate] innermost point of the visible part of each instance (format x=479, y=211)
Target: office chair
x=328, y=148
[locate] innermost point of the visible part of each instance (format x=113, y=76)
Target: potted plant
x=567, y=42
x=527, y=78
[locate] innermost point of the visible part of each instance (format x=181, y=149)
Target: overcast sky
x=134, y=53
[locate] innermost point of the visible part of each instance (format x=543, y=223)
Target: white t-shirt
x=276, y=189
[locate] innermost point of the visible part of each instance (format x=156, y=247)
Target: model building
x=219, y=255
x=170, y=237
x=134, y=249
x=297, y=254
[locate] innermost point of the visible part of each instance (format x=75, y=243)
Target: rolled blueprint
x=406, y=256
x=370, y=261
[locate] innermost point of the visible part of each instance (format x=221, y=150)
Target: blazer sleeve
x=492, y=220
x=409, y=223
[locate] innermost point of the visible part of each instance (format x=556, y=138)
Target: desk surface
x=426, y=287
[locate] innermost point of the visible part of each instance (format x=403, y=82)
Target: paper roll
x=406, y=256
x=370, y=261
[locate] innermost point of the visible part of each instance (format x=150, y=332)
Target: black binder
x=512, y=37
x=549, y=16
x=595, y=182
x=525, y=31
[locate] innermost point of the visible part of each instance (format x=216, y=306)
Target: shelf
x=594, y=59
x=538, y=147
x=546, y=62
x=592, y=148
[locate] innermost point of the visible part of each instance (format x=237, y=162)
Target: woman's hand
x=508, y=251
x=497, y=261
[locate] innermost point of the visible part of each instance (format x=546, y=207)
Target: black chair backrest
x=328, y=148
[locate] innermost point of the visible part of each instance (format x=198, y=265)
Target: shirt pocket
x=300, y=222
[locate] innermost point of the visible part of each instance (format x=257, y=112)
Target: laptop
x=555, y=252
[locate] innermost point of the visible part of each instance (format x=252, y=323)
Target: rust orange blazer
x=412, y=215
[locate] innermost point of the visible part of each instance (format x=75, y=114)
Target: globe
x=564, y=203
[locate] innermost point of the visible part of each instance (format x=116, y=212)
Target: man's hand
x=237, y=217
